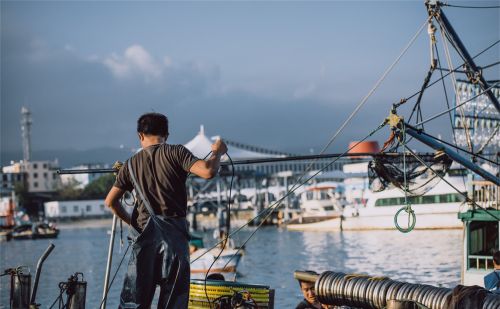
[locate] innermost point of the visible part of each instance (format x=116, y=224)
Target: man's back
x=161, y=171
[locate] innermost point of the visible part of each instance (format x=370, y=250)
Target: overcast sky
x=282, y=75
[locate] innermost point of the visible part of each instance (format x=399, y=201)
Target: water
x=432, y=257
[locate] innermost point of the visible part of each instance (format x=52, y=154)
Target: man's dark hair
x=496, y=257
x=153, y=124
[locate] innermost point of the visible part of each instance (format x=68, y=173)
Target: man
x=158, y=226
x=309, y=301
x=492, y=280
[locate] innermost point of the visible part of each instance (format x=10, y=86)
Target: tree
x=98, y=188
x=69, y=191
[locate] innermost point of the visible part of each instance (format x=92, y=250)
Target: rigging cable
x=403, y=101
x=277, y=203
x=454, y=80
x=489, y=139
x=226, y=238
x=458, y=105
x=365, y=99
x=293, y=189
x=454, y=146
x=470, y=7
x=452, y=186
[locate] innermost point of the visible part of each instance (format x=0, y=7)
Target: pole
x=451, y=153
x=39, y=270
x=108, y=264
x=248, y=161
x=455, y=40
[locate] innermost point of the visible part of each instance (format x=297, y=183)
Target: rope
x=459, y=105
x=226, y=238
x=114, y=276
x=452, y=186
x=489, y=140
x=278, y=202
x=454, y=80
x=365, y=99
x=456, y=147
x=412, y=220
x=401, y=102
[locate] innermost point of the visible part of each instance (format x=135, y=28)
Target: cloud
x=135, y=61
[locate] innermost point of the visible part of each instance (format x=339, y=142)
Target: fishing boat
x=39, y=230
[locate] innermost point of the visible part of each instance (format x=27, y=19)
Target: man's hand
x=219, y=147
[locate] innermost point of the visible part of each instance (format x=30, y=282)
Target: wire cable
x=114, y=276
x=226, y=238
x=365, y=99
x=276, y=204
x=470, y=6
x=467, y=199
x=459, y=105
x=403, y=101
x=456, y=147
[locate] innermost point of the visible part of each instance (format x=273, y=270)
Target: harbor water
x=272, y=255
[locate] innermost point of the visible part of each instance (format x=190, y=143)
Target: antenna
x=26, y=133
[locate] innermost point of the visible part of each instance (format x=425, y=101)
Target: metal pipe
x=451, y=153
x=39, y=270
x=247, y=161
x=455, y=40
x=108, y=264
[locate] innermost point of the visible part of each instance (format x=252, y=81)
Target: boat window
x=310, y=195
x=63, y=209
x=88, y=208
x=426, y=199
x=483, y=242
x=328, y=208
x=324, y=196
x=75, y=208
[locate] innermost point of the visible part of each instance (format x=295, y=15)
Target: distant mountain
x=71, y=157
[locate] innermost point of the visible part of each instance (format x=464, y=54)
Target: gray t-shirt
x=161, y=171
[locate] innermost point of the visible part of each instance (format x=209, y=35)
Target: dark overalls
x=160, y=256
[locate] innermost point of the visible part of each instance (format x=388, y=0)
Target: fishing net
x=389, y=171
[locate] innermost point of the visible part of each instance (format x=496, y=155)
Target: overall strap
x=139, y=191
x=498, y=279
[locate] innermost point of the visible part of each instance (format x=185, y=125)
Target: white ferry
x=437, y=209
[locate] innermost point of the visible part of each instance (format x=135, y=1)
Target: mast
x=473, y=71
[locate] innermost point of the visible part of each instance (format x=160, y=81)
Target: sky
x=282, y=75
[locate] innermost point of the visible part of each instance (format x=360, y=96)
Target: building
x=76, y=209
x=38, y=176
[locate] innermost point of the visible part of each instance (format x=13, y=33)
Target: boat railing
x=486, y=194
x=482, y=262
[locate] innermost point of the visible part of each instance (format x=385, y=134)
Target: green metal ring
x=411, y=214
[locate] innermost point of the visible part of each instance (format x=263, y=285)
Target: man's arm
x=208, y=168
x=113, y=202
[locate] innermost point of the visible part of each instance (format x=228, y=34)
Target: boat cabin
x=481, y=234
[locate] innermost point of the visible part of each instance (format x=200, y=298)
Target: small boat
x=203, y=258
x=39, y=230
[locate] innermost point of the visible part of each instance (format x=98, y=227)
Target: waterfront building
x=38, y=176
x=76, y=209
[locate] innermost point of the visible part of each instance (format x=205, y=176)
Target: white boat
x=437, y=209
x=226, y=264
x=318, y=202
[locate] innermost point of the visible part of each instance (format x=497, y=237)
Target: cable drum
x=362, y=291
x=492, y=301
